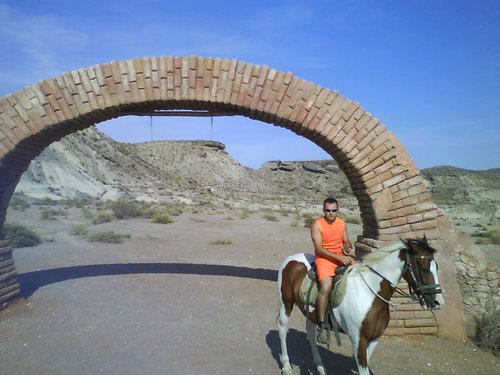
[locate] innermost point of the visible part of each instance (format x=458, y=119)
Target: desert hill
x=90, y=164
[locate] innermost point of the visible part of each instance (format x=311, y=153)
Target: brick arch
x=388, y=186
x=390, y=191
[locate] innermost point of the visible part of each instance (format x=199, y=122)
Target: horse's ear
x=425, y=240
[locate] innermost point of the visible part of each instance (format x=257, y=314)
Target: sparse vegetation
x=80, y=230
x=19, y=203
x=162, y=219
x=125, y=208
x=107, y=237
x=352, y=219
x=50, y=213
x=244, y=214
x=21, y=236
x=104, y=216
x=269, y=216
x=308, y=220
x=221, y=242
x=488, y=332
x=488, y=237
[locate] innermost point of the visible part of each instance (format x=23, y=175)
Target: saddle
x=310, y=286
x=309, y=292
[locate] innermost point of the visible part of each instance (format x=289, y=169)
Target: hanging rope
x=151, y=127
x=211, y=127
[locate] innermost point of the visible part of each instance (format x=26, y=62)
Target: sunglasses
x=328, y=210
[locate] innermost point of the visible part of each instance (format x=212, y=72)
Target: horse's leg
x=311, y=334
x=360, y=352
x=369, y=350
x=283, y=329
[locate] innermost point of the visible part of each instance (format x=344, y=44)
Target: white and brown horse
x=363, y=313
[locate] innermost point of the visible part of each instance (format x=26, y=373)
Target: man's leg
x=325, y=287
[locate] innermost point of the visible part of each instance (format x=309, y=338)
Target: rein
x=414, y=292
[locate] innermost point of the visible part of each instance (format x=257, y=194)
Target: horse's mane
x=376, y=256
x=423, y=243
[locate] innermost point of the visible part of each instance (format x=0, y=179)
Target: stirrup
x=323, y=334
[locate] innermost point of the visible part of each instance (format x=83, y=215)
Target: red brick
x=420, y=323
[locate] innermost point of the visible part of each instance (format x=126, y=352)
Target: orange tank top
x=331, y=234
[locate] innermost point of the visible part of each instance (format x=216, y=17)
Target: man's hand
x=346, y=260
x=350, y=252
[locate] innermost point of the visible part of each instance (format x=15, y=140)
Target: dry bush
x=308, y=220
x=352, y=219
x=21, y=236
x=162, y=218
x=488, y=237
x=221, y=242
x=104, y=216
x=80, y=230
x=50, y=213
x=125, y=208
x=107, y=237
x=488, y=332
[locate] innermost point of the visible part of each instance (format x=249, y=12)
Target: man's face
x=330, y=211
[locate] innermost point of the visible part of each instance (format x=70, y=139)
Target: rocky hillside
x=90, y=164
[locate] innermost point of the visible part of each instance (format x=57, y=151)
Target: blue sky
x=429, y=70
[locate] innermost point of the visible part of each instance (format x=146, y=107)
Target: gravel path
x=169, y=301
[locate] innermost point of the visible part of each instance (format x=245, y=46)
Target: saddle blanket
x=309, y=288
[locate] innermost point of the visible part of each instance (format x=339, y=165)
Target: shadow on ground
x=31, y=281
x=301, y=357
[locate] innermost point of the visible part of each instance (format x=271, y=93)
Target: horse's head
x=421, y=273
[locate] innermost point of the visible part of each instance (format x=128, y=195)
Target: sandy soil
x=169, y=301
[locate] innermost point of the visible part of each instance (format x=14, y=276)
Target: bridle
x=418, y=291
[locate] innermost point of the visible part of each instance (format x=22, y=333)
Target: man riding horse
x=332, y=249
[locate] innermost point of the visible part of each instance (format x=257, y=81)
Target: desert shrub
x=104, y=216
x=19, y=203
x=494, y=236
x=352, y=219
x=75, y=202
x=125, y=208
x=87, y=213
x=270, y=217
x=491, y=236
x=244, y=214
x=488, y=332
x=50, y=213
x=308, y=220
x=175, y=209
x=80, y=230
x=284, y=212
x=162, y=219
x=21, y=236
x=107, y=237
x=221, y=242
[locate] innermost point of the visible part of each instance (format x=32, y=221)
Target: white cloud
x=43, y=41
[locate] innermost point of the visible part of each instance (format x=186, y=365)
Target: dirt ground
x=197, y=296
